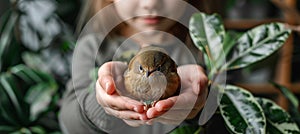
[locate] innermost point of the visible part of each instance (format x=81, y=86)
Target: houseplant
x=35, y=48
x=241, y=111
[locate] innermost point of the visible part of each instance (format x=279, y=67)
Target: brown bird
x=151, y=76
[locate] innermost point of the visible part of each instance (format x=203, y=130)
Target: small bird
x=151, y=75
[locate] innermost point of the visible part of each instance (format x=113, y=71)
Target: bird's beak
x=149, y=72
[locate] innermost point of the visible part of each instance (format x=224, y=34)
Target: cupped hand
x=110, y=77
x=188, y=103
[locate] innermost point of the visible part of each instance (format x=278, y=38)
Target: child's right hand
x=131, y=111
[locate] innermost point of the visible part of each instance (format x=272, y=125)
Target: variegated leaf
x=288, y=94
x=278, y=120
x=257, y=44
x=241, y=111
x=207, y=32
x=293, y=109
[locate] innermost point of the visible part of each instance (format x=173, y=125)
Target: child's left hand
x=190, y=101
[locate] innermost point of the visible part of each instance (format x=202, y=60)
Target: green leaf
x=241, y=111
x=207, y=33
x=39, y=97
x=23, y=130
x=230, y=41
x=10, y=89
x=257, y=44
x=278, y=120
x=37, y=130
x=7, y=115
x=288, y=94
x=7, y=129
x=9, y=46
x=293, y=109
x=37, y=33
x=26, y=74
x=35, y=61
x=7, y=35
x=4, y=19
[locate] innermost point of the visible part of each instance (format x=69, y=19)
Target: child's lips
x=151, y=19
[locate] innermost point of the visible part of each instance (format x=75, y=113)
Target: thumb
x=107, y=83
x=105, y=78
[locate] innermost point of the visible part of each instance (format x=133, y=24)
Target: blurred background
x=37, y=39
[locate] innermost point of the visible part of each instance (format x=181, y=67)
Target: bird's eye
x=140, y=68
x=158, y=68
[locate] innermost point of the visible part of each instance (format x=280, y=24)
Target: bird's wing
x=122, y=90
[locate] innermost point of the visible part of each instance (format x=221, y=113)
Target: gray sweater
x=80, y=113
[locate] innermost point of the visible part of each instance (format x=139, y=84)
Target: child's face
x=144, y=15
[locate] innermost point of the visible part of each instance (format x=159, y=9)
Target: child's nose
x=149, y=4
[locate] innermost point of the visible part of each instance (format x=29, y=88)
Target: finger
x=196, y=76
x=199, y=88
x=100, y=94
x=164, y=105
x=185, y=106
x=152, y=113
x=124, y=103
x=160, y=107
x=201, y=81
x=105, y=78
x=117, y=102
x=185, y=100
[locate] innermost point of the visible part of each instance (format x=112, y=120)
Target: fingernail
x=143, y=118
x=106, y=86
x=135, y=109
x=159, y=109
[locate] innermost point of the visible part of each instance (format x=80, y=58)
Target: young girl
x=116, y=32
